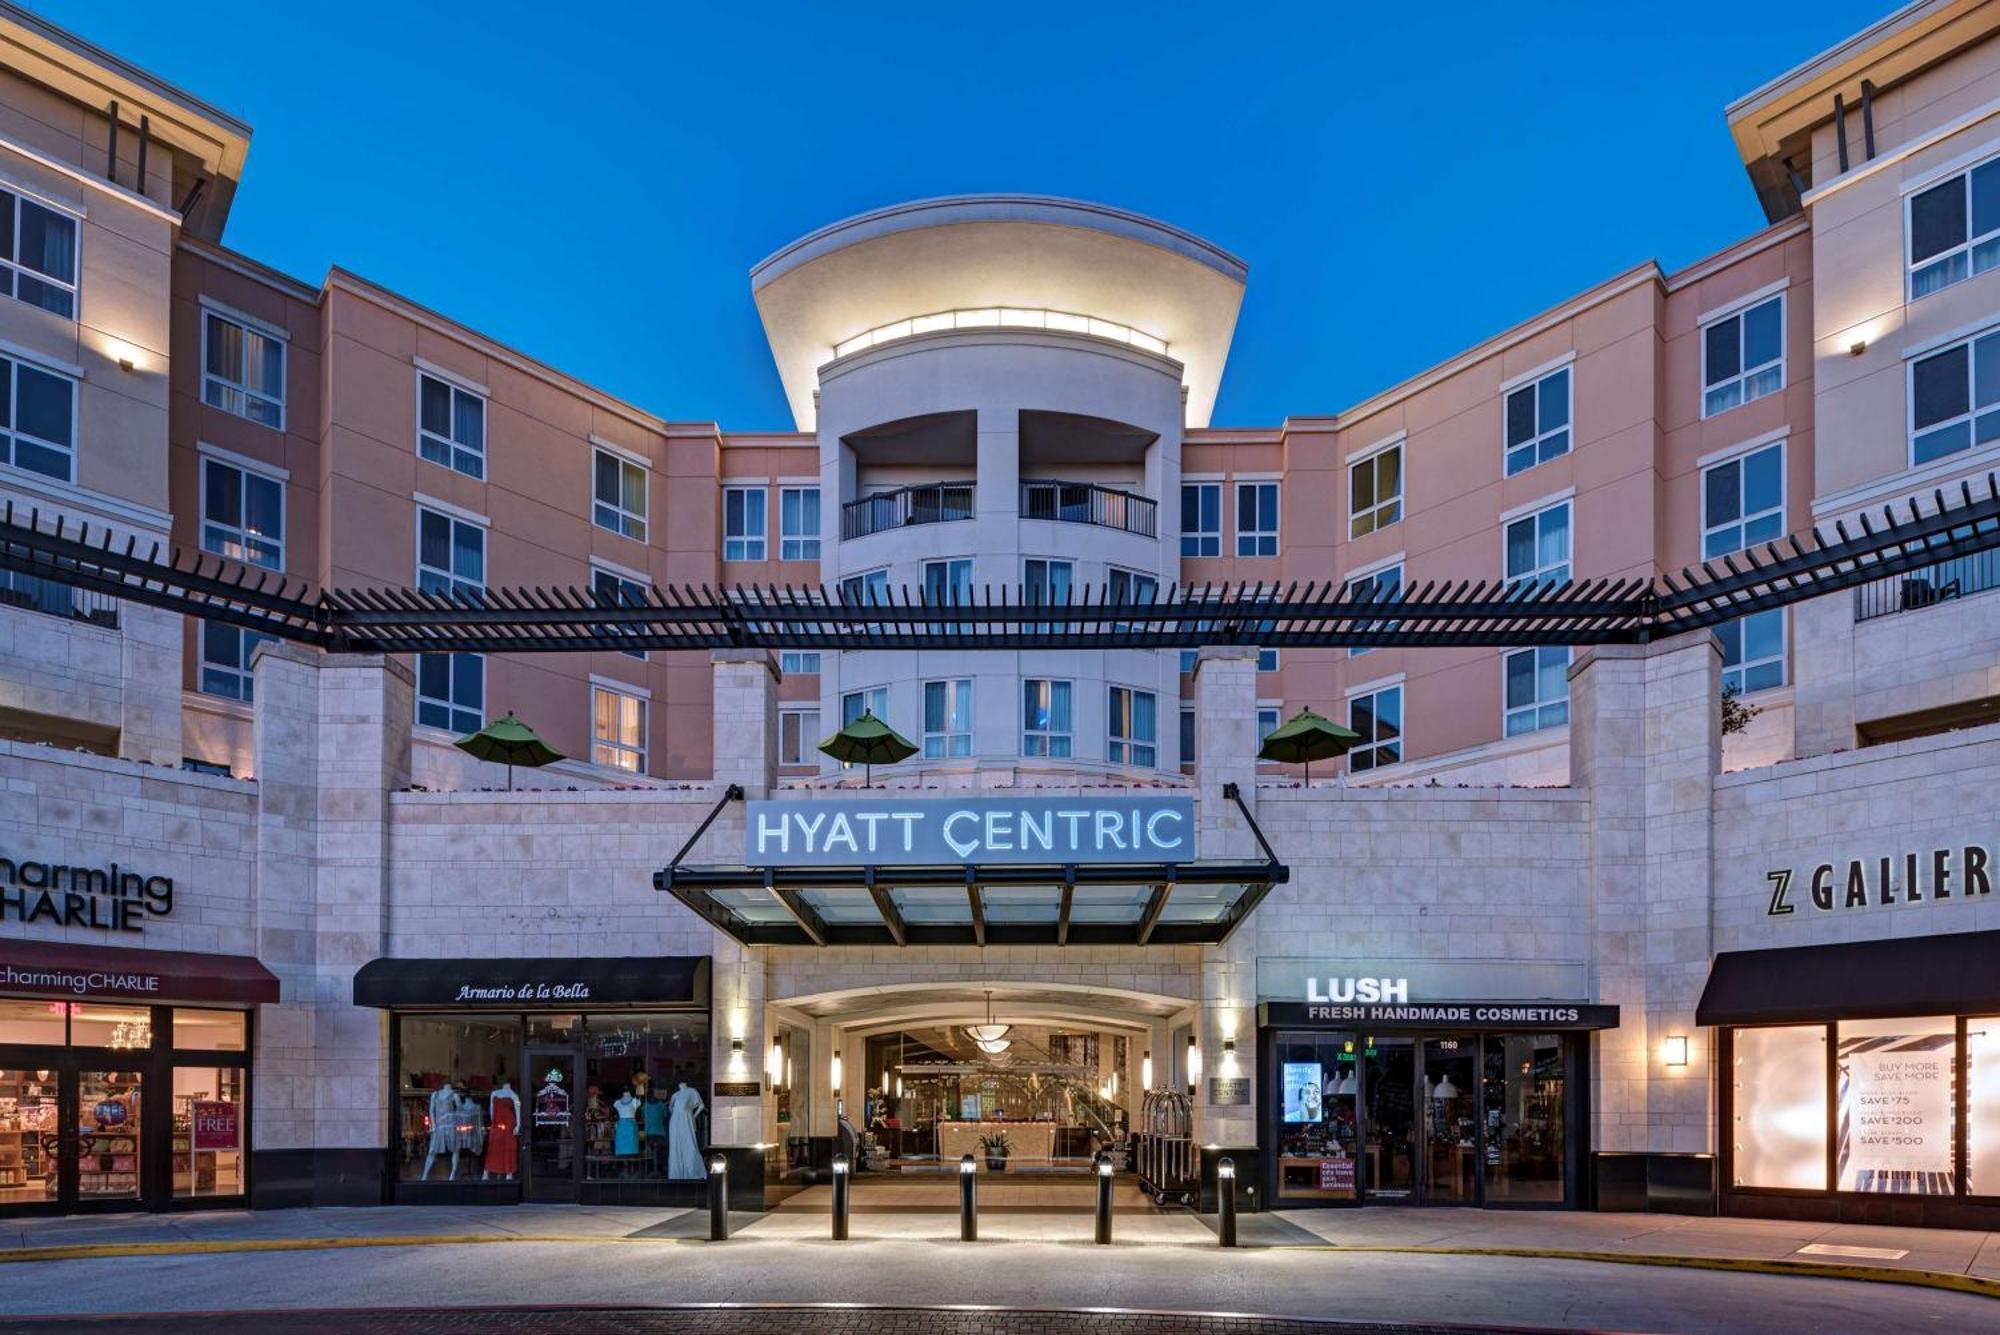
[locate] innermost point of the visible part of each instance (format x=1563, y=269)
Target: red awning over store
x=64, y=969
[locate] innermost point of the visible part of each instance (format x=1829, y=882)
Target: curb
x=1870, y=1274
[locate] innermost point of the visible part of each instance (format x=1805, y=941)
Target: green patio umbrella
x=868, y=742
x=1306, y=737
x=510, y=742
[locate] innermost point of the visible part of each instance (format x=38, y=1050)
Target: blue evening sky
x=591, y=183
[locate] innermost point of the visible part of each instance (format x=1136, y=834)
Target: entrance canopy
x=1949, y=974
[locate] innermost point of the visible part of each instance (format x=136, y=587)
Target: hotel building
x=1547, y=935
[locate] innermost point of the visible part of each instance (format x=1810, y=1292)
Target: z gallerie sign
x=917, y=831
x=109, y=899
x=1862, y=883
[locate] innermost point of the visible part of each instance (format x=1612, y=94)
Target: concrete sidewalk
x=1855, y=1251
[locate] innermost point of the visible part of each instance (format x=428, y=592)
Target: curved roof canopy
x=1023, y=253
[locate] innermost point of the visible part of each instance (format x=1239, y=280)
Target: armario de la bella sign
x=893, y=830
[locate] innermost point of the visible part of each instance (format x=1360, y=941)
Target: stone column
x=332, y=741
x=746, y=753
x=1823, y=661
x=1645, y=745
x=150, y=664
x=1225, y=701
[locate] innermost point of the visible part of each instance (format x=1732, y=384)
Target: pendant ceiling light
x=993, y=1047
x=982, y=1034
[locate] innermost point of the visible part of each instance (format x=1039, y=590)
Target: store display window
x=1894, y=1105
x=1524, y=1089
x=104, y=1024
x=210, y=1030
x=1778, y=1098
x=458, y=1099
x=1318, y=1153
x=1982, y=1105
x=645, y=1083
x=208, y=1130
x=42, y=1023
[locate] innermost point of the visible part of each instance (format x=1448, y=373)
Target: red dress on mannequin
x=503, y=1150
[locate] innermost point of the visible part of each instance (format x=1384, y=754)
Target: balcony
x=1088, y=503
x=931, y=503
x=1928, y=587
x=58, y=600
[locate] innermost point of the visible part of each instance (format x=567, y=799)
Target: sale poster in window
x=1895, y=1112
x=1301, y=1085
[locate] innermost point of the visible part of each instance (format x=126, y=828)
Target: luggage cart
x=1168, y=1170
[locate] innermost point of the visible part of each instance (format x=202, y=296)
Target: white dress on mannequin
x=683, y=1146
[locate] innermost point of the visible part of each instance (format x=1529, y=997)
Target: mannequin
x=627, y=1135
x=444, y=1128
x=683, y=1145
x=653, y=1131
x=503, y=1150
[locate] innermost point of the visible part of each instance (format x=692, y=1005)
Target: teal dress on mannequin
x=625, y=1139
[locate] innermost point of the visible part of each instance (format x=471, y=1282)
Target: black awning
x=534, y=984
x=1951, y=974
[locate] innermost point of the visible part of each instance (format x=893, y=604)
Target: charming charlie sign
x=892, y=830
x=1964, y=873
x=108, y=899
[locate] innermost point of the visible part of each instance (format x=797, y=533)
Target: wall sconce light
x=774, y=1065
x=1228, y=1047
x=837, y=1071
x=1193, y=1065
x=1146, y=1070
x=736, y=1046
x=1857, y=347
x=1677, y=1050
x=124, y=354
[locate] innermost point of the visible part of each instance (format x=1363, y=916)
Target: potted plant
x=997, y=1149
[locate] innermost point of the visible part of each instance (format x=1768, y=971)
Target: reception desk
x=1025, y=1140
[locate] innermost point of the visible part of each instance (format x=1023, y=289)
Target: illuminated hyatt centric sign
x=890, y=831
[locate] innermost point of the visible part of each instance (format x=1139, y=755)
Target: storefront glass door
x=71, y=1134
x=1451, y=1133
x=554, y=1112
x=30, y=1140
x=1524, y=1115
x=109, y=1135
x=1390, y=1148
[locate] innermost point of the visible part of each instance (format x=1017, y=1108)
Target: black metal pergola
x=1327, y=613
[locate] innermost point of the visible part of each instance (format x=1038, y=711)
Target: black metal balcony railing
x=57, y=600
x=1088, y=503
x=1928, y=587
x=931, y=503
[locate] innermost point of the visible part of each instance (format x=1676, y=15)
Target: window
x=1187, y=736
x=242, y=515
x=1377, y=718
x=451, y=560
x=1130, y=586
x=1954, y=229
x=1743, y=504
x=1778, y=1107
x=37, y=254
x=1375, y=492
x=243, y=370
x=743, y=523
x=874, y=700
x=1267, y=722
x=1046, y=583
x=1256, y=519
x=948, y=582
x=1955, y=399
x=618, y=495
x=1536, y=684
x=1982, y=1122
x=1895, y=1105
x=795, y=662
x=798, y=524
x=1376, y=586
x=1201, y=519
x=37, y=420
x=1538, y=421
x=613, y=590
x=451, y=426
x=1188, y=657
x=947, y=719
x=439, y=1059
x=1133, y=736
x=617, y=730
x=1267, y=660
x=1743, y=356
x=798, y=736
x=225, y=660
x=1045, y=718
x=870, y=586
x=1538, y=546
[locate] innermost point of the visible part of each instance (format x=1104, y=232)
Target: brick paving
x=720, y=1321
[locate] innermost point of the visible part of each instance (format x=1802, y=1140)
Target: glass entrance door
x=1451, y=1132
x=31, y=1139
x=555, y=1108
x=72, y=1134
x=109, y=1135
x=1390, y=1148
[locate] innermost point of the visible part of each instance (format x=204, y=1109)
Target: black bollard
x=968, y=1200
x=718, y=1199
x=1225, y=1193
x=1104, y=1199
x=840, y=1180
